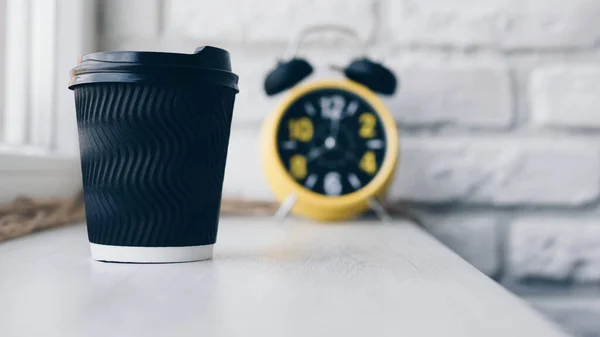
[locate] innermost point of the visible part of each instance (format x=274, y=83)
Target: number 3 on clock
x=367, y=125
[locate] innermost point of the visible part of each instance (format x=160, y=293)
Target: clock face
x=331, y=141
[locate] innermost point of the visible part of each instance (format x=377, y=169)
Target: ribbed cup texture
x=153, y=159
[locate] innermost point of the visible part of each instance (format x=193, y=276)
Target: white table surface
x=299, y=279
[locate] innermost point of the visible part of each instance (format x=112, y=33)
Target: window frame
x=42, y=43
x=38, y=130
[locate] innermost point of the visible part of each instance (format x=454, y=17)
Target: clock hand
x=333, y=108
x=349, y=153
x=335, y=128
x=315, y=153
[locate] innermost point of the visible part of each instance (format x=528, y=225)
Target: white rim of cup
x=131, y=254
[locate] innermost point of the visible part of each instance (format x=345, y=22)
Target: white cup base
x=150, y=254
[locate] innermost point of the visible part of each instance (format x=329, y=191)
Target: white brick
x=555, y=248
x=576, y=314
x=244, y=177
x=504, y=23
x=131, y=18
x=251, y=104
x=474, y=237
x=498, y=171
x=264, y=20
x=566, y=96
x=477, y=96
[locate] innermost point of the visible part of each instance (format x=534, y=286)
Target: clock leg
x=286, y=207
x=379, y=210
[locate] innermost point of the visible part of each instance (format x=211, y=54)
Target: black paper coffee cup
x=153, y=136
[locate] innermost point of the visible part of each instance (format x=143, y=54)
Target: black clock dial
x=331, y=141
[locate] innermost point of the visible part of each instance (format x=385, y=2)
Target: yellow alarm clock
x=330, y=148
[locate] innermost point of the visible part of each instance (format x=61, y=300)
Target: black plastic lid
x=207, y=65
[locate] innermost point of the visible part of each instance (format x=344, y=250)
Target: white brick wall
x=473, y=95
x=557, y=248
x=577, y=314
x=131, y=18
x=506, y=24
x=244, y=177
x=566, y=95
x=263, y=21
x=498, y=110
x=498, y=171
x=456, y=230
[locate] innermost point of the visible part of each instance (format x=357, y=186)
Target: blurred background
x=498, y=112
